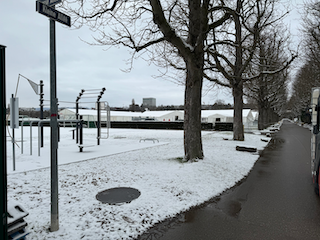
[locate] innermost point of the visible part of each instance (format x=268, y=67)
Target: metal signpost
x=3, y=147
x=41, y=110
x=44, y=7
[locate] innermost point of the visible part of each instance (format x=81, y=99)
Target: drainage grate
x=118, y=195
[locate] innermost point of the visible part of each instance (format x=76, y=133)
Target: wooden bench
x=244, y=148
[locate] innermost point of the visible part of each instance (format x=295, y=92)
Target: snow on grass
x=167, y=185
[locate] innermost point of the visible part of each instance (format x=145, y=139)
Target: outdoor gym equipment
x=39, y=124
x=91, y=92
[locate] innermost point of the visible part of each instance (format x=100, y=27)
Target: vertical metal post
x=77, y=114
x=98, y=116
x=77, y=124
x=58, y=127
x=81, y=133
x=13, y=141
x=41, y=110
x=13, y=151
x=39, y=137
x=3, y=147
x=108, y=120
x=22, y=122
x=31, y=123
x=98, y=123
x=54, y=131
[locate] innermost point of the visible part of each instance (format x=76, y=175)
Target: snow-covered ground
x=167, y=185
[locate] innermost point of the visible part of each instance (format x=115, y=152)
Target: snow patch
x=167, y=185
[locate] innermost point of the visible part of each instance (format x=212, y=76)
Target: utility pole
x=3, y=147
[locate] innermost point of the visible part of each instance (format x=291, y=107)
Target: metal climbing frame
x=89, y=93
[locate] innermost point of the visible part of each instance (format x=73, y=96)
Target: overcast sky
x=25, y=32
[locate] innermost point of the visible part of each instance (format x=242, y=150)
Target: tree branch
x=168, y=32
x=271, y=72
x=217, y=81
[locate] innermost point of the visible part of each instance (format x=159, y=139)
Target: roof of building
x=204, y=113
x=223, y=112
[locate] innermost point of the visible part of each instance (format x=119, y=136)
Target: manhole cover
x=118, y=195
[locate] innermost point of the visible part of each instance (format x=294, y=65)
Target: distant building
x=207, y=116
x=149, y=102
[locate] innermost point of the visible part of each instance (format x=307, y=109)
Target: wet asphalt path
x=276, y=200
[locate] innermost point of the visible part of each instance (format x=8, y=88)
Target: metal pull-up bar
x=99, y=116
x=77, y=114
x=90, y=92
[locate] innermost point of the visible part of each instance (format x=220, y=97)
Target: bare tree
x=173, y=32
x=234, y=47
x=308, y=75
x=311, y=32
x=269, y=91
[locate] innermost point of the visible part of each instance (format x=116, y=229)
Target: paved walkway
x=276, y=201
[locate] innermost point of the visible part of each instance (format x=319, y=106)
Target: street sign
x=50, y=2
x=53, y=14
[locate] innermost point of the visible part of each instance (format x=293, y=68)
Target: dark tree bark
x=194, y=79
x=237, y=85
x=194, y=60
x=266, y=117
x=238, y=131
x=192, y=113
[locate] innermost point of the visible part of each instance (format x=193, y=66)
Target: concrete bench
x=149, y=139
x=81, y=147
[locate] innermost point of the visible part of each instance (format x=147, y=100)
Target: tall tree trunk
x=238, y=131
x=263, y=116
x=263, y=89
x=192, y=110
x=266, y=117
x=237, y=86
x=194, y=77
